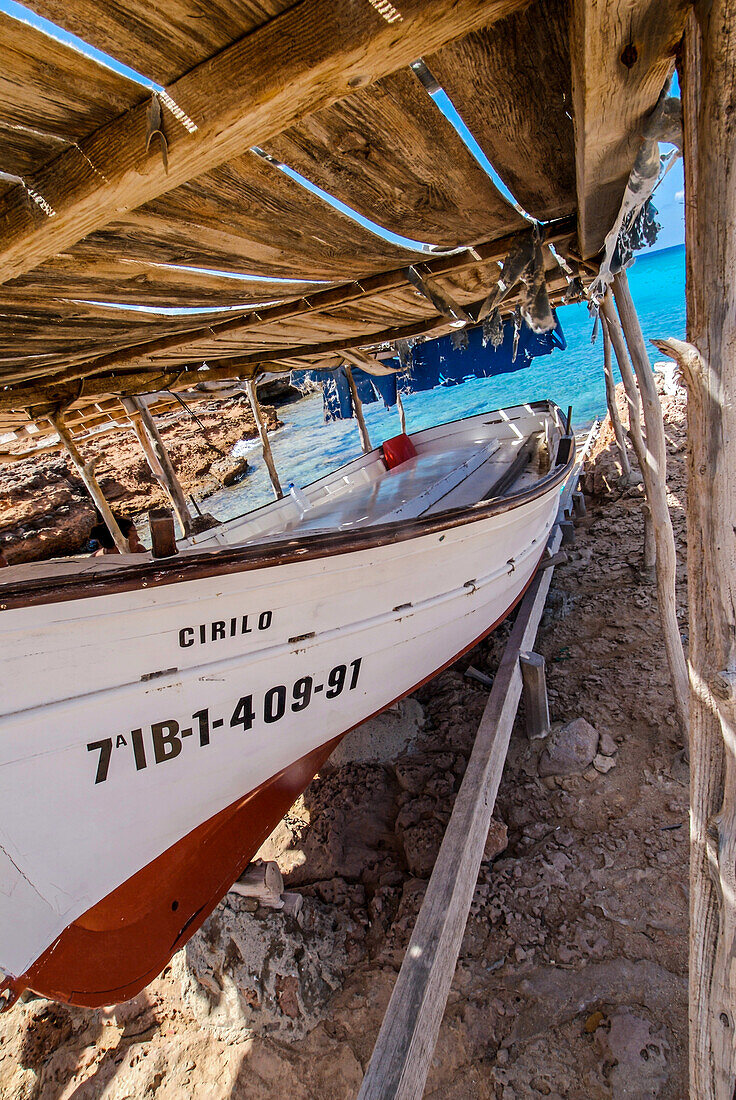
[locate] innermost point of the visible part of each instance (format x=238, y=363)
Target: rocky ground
x=571, y=980
x=45, y=510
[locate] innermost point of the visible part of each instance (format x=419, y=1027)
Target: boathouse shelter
x=175, y=181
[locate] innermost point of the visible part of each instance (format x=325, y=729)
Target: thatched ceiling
x=553, y=92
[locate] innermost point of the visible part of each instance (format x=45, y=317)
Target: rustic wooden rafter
x=37, y=398
x=244, y=325
x=233, y=101
x=621, y=56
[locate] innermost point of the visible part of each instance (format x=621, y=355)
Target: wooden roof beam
x=441, y=301
x=487, y=252
x=39, y=399
x=621, y=52
x=306, y=58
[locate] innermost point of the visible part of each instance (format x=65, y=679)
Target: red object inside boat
x=397, y=450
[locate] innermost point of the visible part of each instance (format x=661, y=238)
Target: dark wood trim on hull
x=199, y=564
x=121, y=944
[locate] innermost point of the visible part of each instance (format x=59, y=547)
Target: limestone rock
x=570, y=749
x=421, y=843
x=606, y=745
x=603, y=764
x=640, y=1056
x=266, y=973
x=229, y=470
x=383, y=737
x=497, y=840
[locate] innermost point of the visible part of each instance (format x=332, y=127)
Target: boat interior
x=453, y=465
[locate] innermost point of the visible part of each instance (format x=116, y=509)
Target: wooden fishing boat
x=160, y=716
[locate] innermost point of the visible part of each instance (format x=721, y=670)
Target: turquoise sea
x=306, y=448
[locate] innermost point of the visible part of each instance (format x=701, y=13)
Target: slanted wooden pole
x=656, y=461
x=536, y=703
x=154, y=448
x=402, y=414
x=613, y=412
x=257, y=411
x=651, y=455
x=86, y=472
x=708, y=362
x=649, y=553
x=358, y=406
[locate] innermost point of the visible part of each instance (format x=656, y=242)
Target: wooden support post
x=255, y=405
x=358, y=406
x=403, y=1053
x=86, y=472
x=613, y=412
x=536, y=704
x=163, y=534
x=402, y=414
x=708, y=362
x=155, y=451
x=567, y=530
x=649, y=556
x=654, y=471
x=263, y=881
x=578, y=504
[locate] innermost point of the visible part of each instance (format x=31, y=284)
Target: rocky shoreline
x=46, y=512
x=572, y=976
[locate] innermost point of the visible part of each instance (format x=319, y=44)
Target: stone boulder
x=265, y=971
x=229, y=470
x=569, y=750
x=383, y=737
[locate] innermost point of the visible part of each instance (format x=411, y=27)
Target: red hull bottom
x=121, y=944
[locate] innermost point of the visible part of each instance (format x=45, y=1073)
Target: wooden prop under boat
x=160, y=716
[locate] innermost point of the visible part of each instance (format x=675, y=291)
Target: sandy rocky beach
x=45, y=510
x=572, y=978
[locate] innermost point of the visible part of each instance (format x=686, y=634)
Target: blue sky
x=669, y=200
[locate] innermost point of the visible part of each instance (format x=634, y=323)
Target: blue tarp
x=434, y=363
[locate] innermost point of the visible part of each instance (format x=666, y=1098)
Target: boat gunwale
x=546, y=404
x=222, y=560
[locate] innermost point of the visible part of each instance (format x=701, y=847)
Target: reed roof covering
x=166, y=193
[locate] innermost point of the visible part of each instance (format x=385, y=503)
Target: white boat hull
x=196, y=694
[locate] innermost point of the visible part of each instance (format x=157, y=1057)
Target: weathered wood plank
x=86, y=472
x=365, y=439
x=388, y=152
x=263, y=435
x=235, y=100
x=330, y=299
x=403, y=1052
x=613, y=412
x=163, y=40
x=158, y=458
x=621, y=55
x=248, y=216
x=122, y=279
x=84, y=381
x=536, y=703
x=653, y=464
x=510, y=83
x=51, y=96
x=708, y=81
